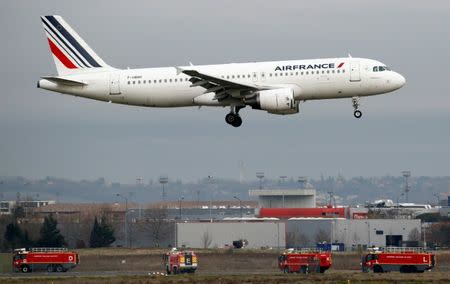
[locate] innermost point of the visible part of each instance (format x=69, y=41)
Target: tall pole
x=163, y=179
x=181, y=199
x=260, y=176
x=126, y=221
x=210, y=199
x=240, y=204
x=406, y=175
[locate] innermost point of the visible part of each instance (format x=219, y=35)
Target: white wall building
x=258, y=234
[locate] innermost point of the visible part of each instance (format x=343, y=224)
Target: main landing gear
x=233, y=117
x=355, y=102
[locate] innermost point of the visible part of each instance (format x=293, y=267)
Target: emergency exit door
x=355, y=75
x=114, y=83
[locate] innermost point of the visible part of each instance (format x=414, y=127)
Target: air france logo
x=307, y=67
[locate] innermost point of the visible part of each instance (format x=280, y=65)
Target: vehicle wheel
x=237, y=121
x=357, y=114
x=175, y=270
x=304, y=269
x=286, y=270
x=322, y=269
x=377, y=269
x=59, y=268
x=50, y=268
x=230, y=118
x=25, y=269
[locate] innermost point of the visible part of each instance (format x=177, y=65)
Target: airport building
x=285, y=198
x=353, y=233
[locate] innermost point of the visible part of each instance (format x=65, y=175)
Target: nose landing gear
x=357, y=113
x=233, y=117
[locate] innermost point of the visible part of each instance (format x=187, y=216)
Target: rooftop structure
x=285, y=198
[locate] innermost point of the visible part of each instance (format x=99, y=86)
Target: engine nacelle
x=277, y=101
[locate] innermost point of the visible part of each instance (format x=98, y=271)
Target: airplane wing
x=221, y=87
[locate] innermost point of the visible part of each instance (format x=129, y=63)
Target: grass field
x=220, y=266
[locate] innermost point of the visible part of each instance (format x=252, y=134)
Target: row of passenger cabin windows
x=240, y=76
x=285, y=74
x=157, y=81
x=381, y=68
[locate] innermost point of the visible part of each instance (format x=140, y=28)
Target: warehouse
x=307, y=232
x=265, y=234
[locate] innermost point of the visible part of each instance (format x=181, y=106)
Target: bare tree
x=206, y=239
x=296, y=239
x=414, y=235
x=158, y=224
x=322, y=236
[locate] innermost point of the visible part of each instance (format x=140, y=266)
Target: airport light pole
x=179, y=200
x=126, y=221
x=406, y=175
x=210, y=197
x=260, y=176
x=163, y=179
x=240, y=204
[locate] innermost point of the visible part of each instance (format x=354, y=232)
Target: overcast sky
x=44, y=133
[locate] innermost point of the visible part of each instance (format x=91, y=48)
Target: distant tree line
x=102, y=233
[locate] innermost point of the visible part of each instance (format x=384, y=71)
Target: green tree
x=13, y=235
x=102, y=234
x=50, y=235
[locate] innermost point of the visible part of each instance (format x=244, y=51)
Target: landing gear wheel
x=230, y=118
x=233, y=119
x=357, y=113
x=237, y=122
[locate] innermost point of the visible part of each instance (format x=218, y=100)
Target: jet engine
x=277, y=101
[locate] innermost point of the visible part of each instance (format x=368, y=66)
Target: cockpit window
x=381, y=68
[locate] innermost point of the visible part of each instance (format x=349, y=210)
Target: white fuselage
x=166, y=87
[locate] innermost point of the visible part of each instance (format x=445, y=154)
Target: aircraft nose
x=399, y=80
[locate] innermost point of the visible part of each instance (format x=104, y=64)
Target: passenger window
x=317, y=72
x=323, y=72
x=248, y=76
x=343, y=70
x=160, y=81
x=270, y=74
x=292, y=74
x=238, y=76
x=176, y=80
x=139, y=81
x=332, y=71
x=276, y=74
x=154, y=81
x=328, y=71
x=296, y=73
x=287, y=74
x=339, y=71
x=307, y=73
x=232, y=76
x=134, y=82
x=129, y=82
x=301, y=73
x=228, y=77
x=281, y=74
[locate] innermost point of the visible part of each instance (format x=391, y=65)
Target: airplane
x=277, y=87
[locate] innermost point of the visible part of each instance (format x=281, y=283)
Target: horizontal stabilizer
x=63, y=81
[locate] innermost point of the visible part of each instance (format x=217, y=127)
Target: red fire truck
x=406, y=260
x=304, y=261
x=49, y=259
x=180, y=261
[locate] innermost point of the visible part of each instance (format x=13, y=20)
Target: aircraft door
x=114, y=83
x=355, y=75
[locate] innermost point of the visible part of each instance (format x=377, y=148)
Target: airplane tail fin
x=70, y=52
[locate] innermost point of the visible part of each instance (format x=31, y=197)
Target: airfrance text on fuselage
x=305, y=67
